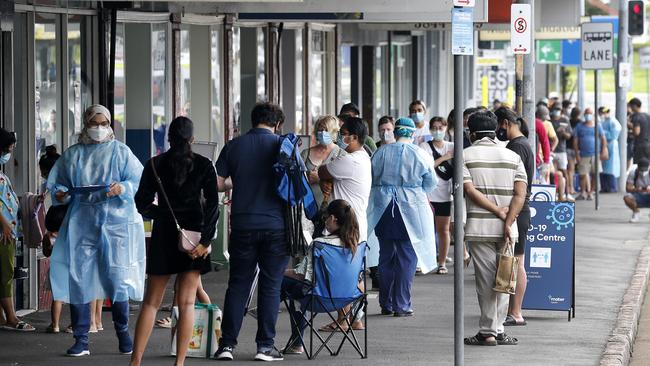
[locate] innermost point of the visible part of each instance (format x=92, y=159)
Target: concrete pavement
x=607, y=247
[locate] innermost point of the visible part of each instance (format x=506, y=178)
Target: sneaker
x=125, y=343
x=78, y=349
x=635, y=217
x=224, y=353
x=270, y=355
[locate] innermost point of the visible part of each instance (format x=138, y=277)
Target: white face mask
x=99, y=133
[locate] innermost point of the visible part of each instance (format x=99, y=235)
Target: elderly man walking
x=495, y=181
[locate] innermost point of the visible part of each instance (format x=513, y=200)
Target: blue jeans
x=266, y=249
x=293, y=289
x=397, y=264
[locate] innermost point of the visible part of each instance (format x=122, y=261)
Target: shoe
x=401, y=315
x=52, y=329
x=125, y=343
x=635, y=217
x=224, y=353
x=293, y=350
x=79, y=349
x=386, y=312
x=506, y=340
x=270, y=355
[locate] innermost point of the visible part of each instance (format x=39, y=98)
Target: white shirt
x=442, y=193
x=352, y=175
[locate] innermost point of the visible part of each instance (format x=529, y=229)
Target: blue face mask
x=589, y=117
x=417, y=117
x=342, y=143
x=4, y=159
x=438, y=135
x=323, y=138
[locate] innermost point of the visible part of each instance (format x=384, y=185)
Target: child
x=343, y=228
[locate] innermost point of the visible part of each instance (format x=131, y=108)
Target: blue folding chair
x=334, y=285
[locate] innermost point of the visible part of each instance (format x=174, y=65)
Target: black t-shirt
x=521, y=146
x=564, y=124
x=642, y=120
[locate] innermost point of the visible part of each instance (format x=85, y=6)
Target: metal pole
x=528, y=112
x=581, y=73
x=621, y=92
x=519, y=84
x=596, y=141
x=459, y=206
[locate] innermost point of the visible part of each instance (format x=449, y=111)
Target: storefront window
x=346, y=74
x=236, y=80
x=218, y=134
x=261, y=64
x=45, y=76
x=76, y=88
x=159, y=87
x=186, y=109
x=299, y=81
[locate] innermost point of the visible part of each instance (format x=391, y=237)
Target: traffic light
x=635, y=18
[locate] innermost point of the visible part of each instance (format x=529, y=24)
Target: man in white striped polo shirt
x=495, y=182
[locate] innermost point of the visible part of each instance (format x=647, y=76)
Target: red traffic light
x=636, y=9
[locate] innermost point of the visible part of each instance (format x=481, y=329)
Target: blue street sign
x=550, y=251
x=571, y=52
x=462, y=31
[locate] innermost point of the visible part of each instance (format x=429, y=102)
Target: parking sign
x=521, y=32
x=597, y=51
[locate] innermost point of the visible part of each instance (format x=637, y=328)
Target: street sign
x=624, y=75
x=597, y=52
x=549, y=52
x=467, y=3
x=570, y=52
x=644, y=57
x=521, y=28
x=462, y=31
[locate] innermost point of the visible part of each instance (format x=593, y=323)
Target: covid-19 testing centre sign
x=550, y=257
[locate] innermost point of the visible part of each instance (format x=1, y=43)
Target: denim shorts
x=642, y=199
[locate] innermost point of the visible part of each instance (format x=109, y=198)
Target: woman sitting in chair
x=343, y=228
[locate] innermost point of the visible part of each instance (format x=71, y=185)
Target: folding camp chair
x=334, y=285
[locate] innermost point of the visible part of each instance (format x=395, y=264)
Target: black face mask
x=502, y=134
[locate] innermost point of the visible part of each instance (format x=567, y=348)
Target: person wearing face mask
x=418, y=113
x=351, y=110
x=100, y=250
x=612, y=166
x=386, y=128
x=326, y=133
x=9, y=224
x=401, y=236
x=443, y=153
x=584, y=141
x=638, y=189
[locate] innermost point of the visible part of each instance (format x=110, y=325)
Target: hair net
x=404, y=127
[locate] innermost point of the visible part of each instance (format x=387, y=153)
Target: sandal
x=467, y=260
x=441, y=270
x=69, y=329
x=21, y=326
x=512, y=322
x=480, y=340
x=357, y=325
x=52, y=329
x=506, y=340
x=331, y=327
x=164, y=322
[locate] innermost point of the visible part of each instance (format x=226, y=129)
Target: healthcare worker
x=399, y=218
x=100, y=250
x=611, y=166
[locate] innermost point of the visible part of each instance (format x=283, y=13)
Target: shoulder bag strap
x=435, y=153
x=162, y=190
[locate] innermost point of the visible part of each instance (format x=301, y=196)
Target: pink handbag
x=187, y=239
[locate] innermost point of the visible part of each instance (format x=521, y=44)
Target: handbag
x=506, y=278
x=444, y=170
x=187, y=239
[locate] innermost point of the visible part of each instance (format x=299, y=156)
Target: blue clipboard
x=87, y=189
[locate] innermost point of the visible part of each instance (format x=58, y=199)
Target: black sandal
x=480, y=340
x=506, y=340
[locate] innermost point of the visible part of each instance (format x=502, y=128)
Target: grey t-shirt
x=638, y=180
x=642, y=120
x=562, y=124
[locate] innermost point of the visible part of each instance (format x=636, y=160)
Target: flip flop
x=21, y=326
x=331, y=327
x=511, y=322
x=441, y=270
x=164, y=322
x=52, y=329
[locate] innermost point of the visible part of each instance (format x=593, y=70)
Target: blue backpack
x=292, y=186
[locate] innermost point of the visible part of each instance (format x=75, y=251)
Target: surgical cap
x=94, y=110
x=404, y=127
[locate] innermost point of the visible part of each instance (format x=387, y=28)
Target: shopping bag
x=506, y=278
x=206, y=331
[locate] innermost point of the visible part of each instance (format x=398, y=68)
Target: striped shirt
x=493, y=170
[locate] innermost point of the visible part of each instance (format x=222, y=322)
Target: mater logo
x=555, y=300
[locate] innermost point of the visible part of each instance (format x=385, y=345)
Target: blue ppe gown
x=612, y=129
x=100, y=249
x=404, y=173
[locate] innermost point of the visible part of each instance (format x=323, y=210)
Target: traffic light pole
x=581, y=72
x=621, y=92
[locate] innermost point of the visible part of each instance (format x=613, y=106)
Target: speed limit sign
x=521, y=32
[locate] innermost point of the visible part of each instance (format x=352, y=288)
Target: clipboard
x=87, y=189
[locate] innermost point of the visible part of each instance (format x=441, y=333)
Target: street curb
x=618, y=349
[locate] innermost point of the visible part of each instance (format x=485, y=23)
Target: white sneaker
x=449, y=260
x=635, y=217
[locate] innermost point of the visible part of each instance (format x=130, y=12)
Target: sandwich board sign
x=597, y=52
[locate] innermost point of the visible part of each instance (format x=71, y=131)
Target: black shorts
x=441, y=209
x=523, y=222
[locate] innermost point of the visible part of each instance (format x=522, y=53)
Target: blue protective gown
x=100, y=250
x=612, y=129
x=404, y=172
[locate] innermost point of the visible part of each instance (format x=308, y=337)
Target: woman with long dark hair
x=185, y=178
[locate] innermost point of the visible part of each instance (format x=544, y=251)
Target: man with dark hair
x=640, y=129
x=257, y=238
x=491, y=219
x=638, y=189
x=349, y=109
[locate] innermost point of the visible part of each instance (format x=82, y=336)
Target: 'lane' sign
x=597, y=51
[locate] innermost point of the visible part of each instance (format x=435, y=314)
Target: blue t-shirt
x=586, y=138
x=248, y=160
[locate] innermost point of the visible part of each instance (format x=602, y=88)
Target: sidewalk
x=606, y=251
